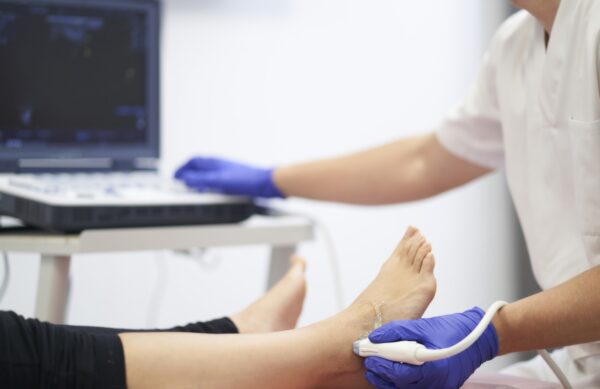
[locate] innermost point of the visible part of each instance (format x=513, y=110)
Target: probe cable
x=416, y=354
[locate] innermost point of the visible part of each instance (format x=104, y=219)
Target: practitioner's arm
x=405, y=170
x=565, y=315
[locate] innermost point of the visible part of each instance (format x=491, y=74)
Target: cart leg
x=280, y=263
x=53, y=288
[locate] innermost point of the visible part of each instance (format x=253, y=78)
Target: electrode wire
x=332, y=255
x=333, y=262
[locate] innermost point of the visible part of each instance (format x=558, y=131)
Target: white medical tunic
x=535, y=111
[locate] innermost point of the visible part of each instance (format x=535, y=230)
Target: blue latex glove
x=228, y=177
x=434, y=333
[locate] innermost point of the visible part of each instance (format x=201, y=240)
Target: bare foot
x=405, y=285
x=402, y=290
x=280, y=308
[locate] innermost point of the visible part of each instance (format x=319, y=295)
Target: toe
x=401, y=247
x=428, y=264
x=297, y=260
x=415, y=244
x=420, y=256
x=297, y=266
x=410, y=231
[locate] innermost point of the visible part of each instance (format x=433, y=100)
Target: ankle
x=243, y=324
x=339, y=333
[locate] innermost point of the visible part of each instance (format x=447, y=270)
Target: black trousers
x=36, y=355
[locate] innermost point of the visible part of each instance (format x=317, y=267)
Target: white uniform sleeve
x=473, y=130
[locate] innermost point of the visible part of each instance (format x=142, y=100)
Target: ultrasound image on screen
x=72, y=76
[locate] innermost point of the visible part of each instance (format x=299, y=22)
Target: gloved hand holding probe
x=228, y=177
x=433, y=333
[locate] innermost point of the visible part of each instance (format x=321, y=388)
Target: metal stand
x=280, y=263
x=53, y=288
x=282, y=233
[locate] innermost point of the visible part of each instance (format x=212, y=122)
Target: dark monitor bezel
x=124, y=155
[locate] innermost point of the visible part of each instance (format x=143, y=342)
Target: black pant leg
x=35, y=355
x=217, y=326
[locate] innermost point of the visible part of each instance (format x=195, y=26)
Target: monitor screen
x=78, y=75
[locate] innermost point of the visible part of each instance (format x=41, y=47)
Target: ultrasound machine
x=79, y=120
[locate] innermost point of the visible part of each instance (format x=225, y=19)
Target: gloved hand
x=434, y=333
x=228, y=177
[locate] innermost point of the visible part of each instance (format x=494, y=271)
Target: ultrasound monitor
x=78, y=80
x=79, y=97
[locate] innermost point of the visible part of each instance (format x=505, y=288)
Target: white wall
x=279, y=81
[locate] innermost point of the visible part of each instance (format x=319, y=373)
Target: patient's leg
x=316, y=356
x=36, y=354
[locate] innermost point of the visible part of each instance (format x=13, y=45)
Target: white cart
x=282, y=233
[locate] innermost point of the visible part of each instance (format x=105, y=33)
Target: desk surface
x=270, y=230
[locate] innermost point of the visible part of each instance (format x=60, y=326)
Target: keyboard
x=73, y=202
x=96, y=186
